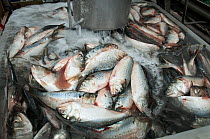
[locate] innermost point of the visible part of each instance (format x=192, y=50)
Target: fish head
x=177, y=88
x=68, y=111
x=21, y=125
x=116, y=89
x=87, y=85
x=79, y=59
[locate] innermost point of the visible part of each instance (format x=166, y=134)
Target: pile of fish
x=189, y=86
x=102, y=91
x=31, y=41
x=152, y=28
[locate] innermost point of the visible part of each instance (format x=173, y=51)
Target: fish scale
x=103, y=61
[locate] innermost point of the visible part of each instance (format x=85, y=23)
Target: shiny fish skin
x=38, y=36
x=139, y=87
x=44, y=132
x=54, y=99
x=125, y=100
x=148, y=11
x=18, y=43
x=136, y=8
x=31, y=31
x=172, y=37
x=97, y=50
x=61, y=64
x=129, y=128
x=37, y=47
x=143, y=47
x=163, y=28
x=181, y=85
x=104, y=99
x=22, y=127
x=95, y=81
x=199, y=106
x=52, y=81
x=121, y=74
x=44, y=77
x=85, y=115
x=103, y=61
x=135, y=15
x=131, y=17
x=74, y=66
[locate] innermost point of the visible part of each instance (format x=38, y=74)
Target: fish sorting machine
x=132, y=71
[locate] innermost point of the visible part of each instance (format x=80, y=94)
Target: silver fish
x=172, y=37
x=135, y=15
x=18, y=43
x=136, y=8
x=85, y=115
x=181, y=85
x=31, y=31
x=140, y=88
x=103, y=61
x=54, y=99
x=131, y=17
x=44, y=132
x=129, y=128
x=199, y=106
x=97, y=50
x=95, y=81
x=37, y=37
x=121, y=74
x=22, y=127
x=163, y=28
x=51, y=116
x=141, y=46
x=104, y=99
x=154, y=20
x=148, y=11
x=124, y=101
x=37, y=47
